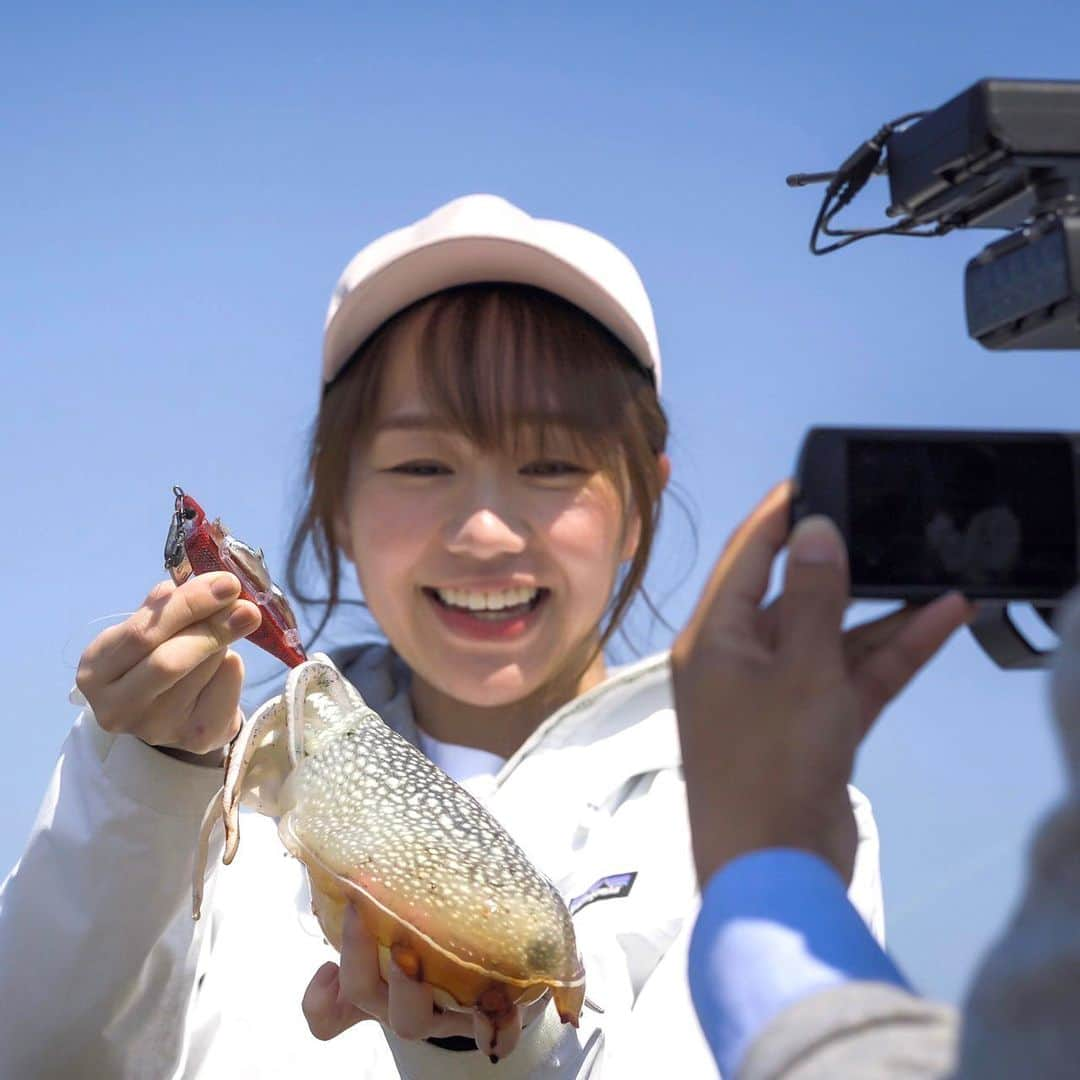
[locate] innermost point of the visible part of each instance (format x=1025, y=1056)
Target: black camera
x=991, y=513
x=995, y=514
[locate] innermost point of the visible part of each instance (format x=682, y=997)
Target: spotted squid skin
x=380, y=826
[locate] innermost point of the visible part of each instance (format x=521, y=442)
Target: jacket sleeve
x=98, y=950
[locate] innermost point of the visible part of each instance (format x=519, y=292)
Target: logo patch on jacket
x=607, y=888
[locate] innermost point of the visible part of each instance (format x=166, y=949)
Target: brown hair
x=489, y=355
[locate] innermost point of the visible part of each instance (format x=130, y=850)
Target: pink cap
x=480, y=238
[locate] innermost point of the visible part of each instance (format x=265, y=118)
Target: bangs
x=513, y=367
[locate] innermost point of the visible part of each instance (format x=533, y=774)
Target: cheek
x=386, y=538
x=586, y=537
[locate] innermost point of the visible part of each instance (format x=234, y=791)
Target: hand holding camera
x=773, y=702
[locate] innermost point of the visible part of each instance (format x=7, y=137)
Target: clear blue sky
x=182, y=186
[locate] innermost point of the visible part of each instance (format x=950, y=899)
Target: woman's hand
x=773, y=702
x=339, y=997
x=166, y=674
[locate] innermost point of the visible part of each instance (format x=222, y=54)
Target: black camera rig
x=1004, y=154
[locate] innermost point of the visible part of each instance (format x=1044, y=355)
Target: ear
x=633, y=526
x=663, y=466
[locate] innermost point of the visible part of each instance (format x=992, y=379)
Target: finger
x=111, y=653
x=484, y=1033
x=410, y=1012
x=326, y=1014
x=865, y=638
x=215, y=716
x=858, y=640
x=177, y=657
x=359, y=974
x=167, y=610
x=740, y=578
x=769, y=622
x=862, y=640
x=507, y=1035
x=815, y=595
x=180, y=699
x=890, y=667
x=165, y=721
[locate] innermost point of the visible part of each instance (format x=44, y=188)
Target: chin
x=487, y=689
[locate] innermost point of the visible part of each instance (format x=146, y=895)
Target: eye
x=189, y=514
x=420, y=468
x=552, y=468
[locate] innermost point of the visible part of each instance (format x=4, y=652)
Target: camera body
x=992, y=513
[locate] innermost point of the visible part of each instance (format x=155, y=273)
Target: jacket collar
x=630, y=711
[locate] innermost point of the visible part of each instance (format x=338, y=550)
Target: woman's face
x=488, y=572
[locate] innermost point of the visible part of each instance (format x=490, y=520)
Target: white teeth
x=487, y=601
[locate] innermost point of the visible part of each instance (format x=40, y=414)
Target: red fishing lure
x=197, y=546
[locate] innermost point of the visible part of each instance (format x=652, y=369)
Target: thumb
x=816, y=586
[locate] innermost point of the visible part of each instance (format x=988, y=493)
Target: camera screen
x=975, y=512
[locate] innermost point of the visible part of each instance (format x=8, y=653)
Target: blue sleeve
x=774, y=926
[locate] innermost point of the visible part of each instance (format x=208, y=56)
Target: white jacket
x=103, y=973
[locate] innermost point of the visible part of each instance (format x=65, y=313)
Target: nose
x=486, y=531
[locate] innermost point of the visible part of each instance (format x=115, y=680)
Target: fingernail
x=225, y=587
x=817, y=540
x=325, y=975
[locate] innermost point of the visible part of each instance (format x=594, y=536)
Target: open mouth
x=501, y=605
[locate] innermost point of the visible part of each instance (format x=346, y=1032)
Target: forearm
x=97, y=947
